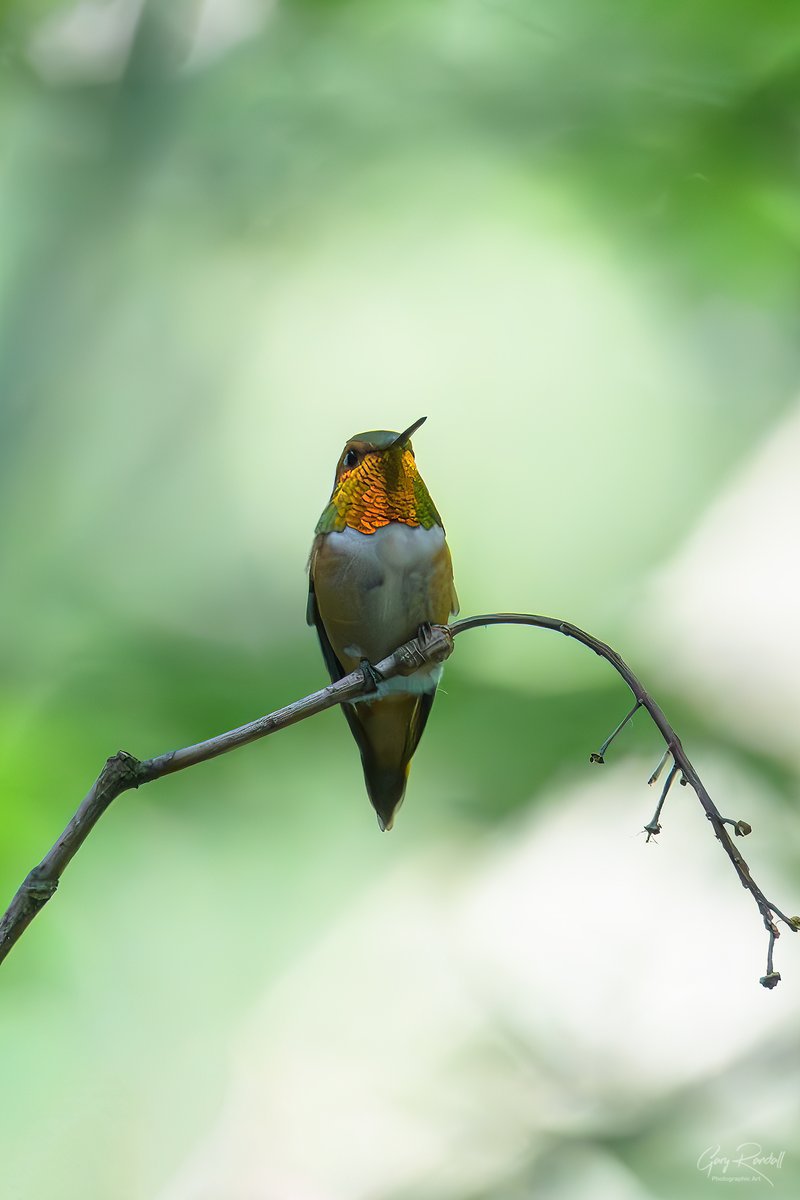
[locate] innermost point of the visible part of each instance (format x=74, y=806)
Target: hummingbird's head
x=377, y=481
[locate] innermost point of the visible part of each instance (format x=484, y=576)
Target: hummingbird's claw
x=425, y=632
x=372, y=678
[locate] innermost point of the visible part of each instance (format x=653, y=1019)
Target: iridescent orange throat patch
x=383, y=487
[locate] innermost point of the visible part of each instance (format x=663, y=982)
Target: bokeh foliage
x=184, y=224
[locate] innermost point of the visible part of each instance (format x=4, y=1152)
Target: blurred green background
x=234, y=233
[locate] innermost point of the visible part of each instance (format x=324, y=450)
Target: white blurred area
x=485, y=1016
x=722, y=615
x=91, y=41
x=87, y=41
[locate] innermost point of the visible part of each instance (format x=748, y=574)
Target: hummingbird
x=380, y=572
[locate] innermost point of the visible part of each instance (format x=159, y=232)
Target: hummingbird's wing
x=337, y=671
x=335, y=668
x=423, y=704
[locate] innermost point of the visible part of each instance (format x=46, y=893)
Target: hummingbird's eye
x=350, y=459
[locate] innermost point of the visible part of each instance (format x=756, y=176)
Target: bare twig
x=769, y=911
x=123, y=772
x=662, y=762
x=653, y=827
x=599, y=755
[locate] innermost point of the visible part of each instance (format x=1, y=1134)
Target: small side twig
x=661, y=764
x=653, y=827
x=599, y=755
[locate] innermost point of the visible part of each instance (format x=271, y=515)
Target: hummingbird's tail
x=387, y=732
x=386, y=787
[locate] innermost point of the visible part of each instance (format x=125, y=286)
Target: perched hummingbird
x=379, y=569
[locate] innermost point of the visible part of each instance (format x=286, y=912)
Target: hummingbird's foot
x=372, y=677
x=425, y=632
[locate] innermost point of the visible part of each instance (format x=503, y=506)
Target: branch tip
x=660, y=767
x=654, y=826
x=772, y=977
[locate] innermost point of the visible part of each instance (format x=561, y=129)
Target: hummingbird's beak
x=403, y=437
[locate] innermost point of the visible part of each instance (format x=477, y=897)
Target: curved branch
x=123, y=772
x=768, y=910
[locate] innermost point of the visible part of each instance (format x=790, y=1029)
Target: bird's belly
x=375, y=590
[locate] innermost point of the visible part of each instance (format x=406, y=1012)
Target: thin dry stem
x=123, y=771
